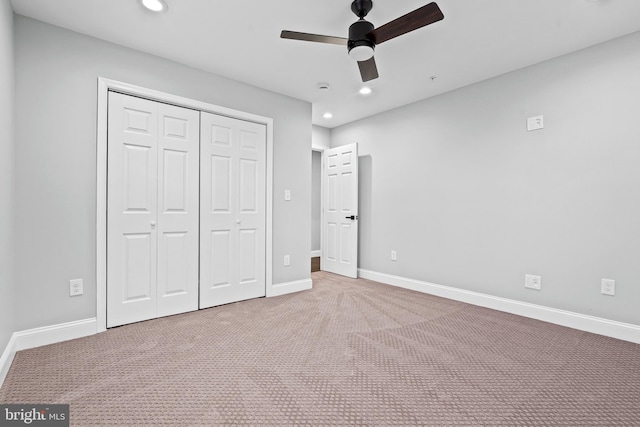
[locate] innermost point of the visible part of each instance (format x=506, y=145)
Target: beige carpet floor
x=348, y=352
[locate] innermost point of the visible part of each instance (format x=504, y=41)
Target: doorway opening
x=316, y=209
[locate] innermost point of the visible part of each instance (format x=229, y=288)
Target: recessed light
x=155, y=5
x=365, y=90
x=327, y=115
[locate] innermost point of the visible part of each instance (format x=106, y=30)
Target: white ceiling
x=477, y=39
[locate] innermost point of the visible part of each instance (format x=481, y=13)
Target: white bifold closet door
x=152, y=219
x=232, y=210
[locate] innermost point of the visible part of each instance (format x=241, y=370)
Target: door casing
x=106, y=85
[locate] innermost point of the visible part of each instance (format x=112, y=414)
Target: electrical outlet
x=75, y=287
x=608, y=287
x=394, y=256
x=532, y=282
x=287, y=260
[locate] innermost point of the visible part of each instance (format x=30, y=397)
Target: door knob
x=238, y=221
x=352, y=217
x=153, y=224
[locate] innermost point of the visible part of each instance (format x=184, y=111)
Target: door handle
x=352, y=217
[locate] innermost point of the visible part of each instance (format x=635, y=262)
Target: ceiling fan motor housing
x=358, y=35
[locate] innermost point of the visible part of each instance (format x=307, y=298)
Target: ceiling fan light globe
x=155, y=5
x=361, y=53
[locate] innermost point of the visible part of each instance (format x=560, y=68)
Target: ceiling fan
x=363, y=38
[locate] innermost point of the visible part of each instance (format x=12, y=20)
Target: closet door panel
x=232, y=218
x=178, y=193
x=132, y=209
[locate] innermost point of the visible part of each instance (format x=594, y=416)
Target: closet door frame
x=106, y=85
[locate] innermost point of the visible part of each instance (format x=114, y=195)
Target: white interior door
x=232, y=210
x=340, y=212
x=152, y=209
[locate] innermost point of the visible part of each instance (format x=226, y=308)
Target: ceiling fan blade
x=411, y=21
x=368, y=69
x=293, y=35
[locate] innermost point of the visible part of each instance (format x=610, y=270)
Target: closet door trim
x=106, y=85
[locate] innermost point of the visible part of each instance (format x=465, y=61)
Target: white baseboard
x=37, y=337
x=290, y=287
x=583, y=322
x=315, y=254
x=7, y=357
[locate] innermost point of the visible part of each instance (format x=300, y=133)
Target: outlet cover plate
x=532, y=282
x=75, y=287
x=608, y=287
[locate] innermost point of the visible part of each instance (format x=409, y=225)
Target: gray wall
x=56, y=97
x=320, y=137
x=7, y=84
x=468, y=198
